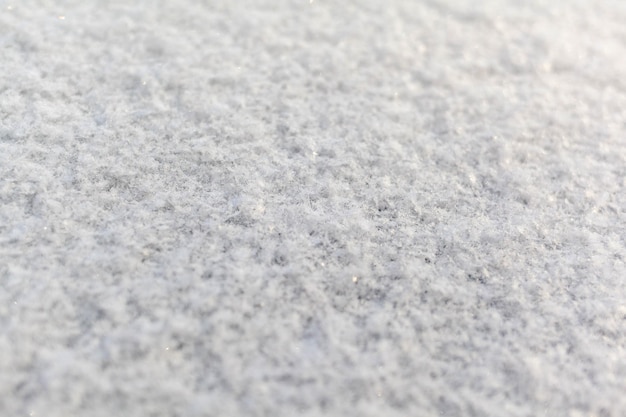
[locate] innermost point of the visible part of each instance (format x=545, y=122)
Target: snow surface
x=312, y=208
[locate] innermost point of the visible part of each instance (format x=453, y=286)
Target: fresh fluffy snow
x=312, y=208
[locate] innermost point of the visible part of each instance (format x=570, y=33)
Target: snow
x=316, y=208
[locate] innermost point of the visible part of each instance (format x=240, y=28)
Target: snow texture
x=312, y=208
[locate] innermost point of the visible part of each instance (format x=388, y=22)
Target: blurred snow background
x=312, y=208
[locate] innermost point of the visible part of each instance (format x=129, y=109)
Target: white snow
x=328, y=208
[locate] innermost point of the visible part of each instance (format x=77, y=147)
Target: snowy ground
x=316, y=208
